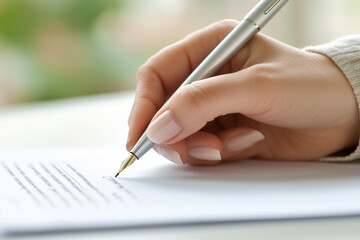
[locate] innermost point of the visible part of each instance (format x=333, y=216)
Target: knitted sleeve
x=345, y=53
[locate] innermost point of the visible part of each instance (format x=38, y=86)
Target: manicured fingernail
x=168, y=153
x=163, y=128
x=244, y=140
x=205, y=153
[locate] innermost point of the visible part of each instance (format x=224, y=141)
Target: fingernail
x=205, y=153
x=169, y=154
x=244, y=140
x=163, y=128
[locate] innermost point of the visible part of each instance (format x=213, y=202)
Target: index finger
x=163, y=73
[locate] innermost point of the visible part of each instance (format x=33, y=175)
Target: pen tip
x=127, y=162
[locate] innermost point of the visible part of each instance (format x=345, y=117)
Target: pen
x=227, y=48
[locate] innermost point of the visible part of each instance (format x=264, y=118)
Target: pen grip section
x=142, y=146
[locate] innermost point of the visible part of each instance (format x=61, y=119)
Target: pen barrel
x=264, y=11
x=236, y=39
x=142, y=146
x=226, y=49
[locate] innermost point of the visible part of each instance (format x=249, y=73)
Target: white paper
x=70, y=189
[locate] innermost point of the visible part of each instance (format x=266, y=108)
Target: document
x=53, y=190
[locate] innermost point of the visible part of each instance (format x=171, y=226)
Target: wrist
x=345, y=54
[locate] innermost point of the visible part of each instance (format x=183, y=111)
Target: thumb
x=193, y=105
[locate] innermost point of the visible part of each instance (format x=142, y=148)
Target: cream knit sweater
x=345, y=52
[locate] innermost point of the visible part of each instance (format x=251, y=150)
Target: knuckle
x=227, y=23
x=148, y=87
x=142, y=72
x=146, y=80
x=265, y=87
x=194, y=96
x=223, y=27
x=146, y=100
x=260, y=74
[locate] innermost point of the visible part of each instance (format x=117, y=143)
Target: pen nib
x=127, y=162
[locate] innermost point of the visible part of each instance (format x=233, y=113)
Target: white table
x=95, y=120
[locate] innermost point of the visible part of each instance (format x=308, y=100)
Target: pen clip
x=271, y=6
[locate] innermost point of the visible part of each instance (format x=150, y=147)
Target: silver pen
x=227, y=48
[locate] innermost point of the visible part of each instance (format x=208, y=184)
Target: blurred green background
x=52, y=49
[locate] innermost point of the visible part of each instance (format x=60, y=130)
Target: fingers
x=158, y=78
x=192, y=106
x=203, y=148
x=141, y=114
x=176, y=152
x=241, y=142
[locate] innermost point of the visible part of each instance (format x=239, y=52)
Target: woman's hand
x=271, y=101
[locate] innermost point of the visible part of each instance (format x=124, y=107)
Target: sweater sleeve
x=345, y=53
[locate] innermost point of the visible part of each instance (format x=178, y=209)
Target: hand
x=271, y=101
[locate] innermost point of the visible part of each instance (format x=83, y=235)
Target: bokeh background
x=51, y=49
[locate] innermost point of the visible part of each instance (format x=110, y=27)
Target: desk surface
x=95, y=120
